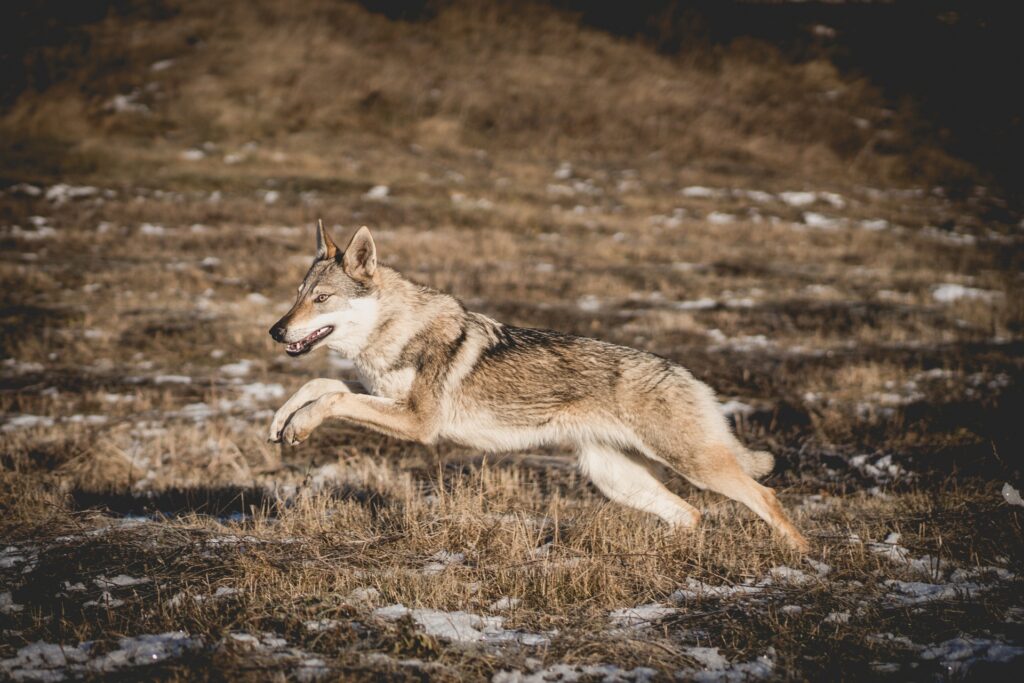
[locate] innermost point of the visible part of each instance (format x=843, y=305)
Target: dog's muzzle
x=305, y=344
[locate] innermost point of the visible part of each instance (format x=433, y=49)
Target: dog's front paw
x=278, y=423
x=300, y=426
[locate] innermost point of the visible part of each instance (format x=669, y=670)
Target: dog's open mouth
x=304, y=345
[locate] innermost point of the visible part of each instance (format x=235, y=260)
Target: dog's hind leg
x=310, y=391
x=628, y=482
x=721, y=472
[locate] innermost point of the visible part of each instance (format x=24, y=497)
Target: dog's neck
x=405, y=310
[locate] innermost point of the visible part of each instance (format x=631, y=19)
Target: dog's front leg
x=384, y=415
x=310, y=391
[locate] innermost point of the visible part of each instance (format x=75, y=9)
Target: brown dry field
x=774, y=227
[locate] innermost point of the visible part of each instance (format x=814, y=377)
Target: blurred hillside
x=134, y=84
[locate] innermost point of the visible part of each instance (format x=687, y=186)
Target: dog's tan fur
x=434, y=370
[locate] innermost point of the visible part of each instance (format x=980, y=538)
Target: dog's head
x=337, y=302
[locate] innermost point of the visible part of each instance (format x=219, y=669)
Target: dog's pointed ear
x=325, y=247
x=360, y=259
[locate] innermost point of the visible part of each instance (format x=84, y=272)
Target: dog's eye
x=322, y=298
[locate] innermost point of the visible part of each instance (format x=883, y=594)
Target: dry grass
x=834, y=338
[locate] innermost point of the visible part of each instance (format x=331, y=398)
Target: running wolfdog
x=434, y=370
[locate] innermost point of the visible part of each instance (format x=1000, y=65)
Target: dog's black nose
x=277, y=332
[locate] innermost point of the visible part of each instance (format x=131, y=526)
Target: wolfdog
x=434, y=370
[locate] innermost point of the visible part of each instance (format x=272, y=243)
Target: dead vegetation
x=869, y=336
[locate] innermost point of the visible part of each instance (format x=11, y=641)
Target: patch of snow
x=708, y=657
x=720, y=218
x=642, y=615
x=756, y=195
x=951, y=292
x=1011, y=495
x=461, y=200
x=875, y=224
x=224, y=592
x=798, y=199
x=61, y=192
x=894, y=552
x=378, y=193
x=916, y=592
x=257, y=298
x=699, y=192
x=321, y=625
x=789, y=575
x=271, y=196
x=367, y=594
x=196, y=411
x=838, y=618
x=883, y=469
x=564, y=171
x=93, y=420
x=162, y=65
x=192, y=154
x=821, y=568
x=589, y=303
x=462, y=627
x=39, y=233
x=834, y=200
x=239, y=369
x=441, y=560
x=504, y=603
x=7, y=604
x=25, y=189
x=129, y=103
x=568, y=673
x=957, y=655
x=42, y=661
x=261, y=391
x=735, y=672
x=821, y=221
x=696, y=589
x=119, y=581
x=695, y=304
x=455, y=626
x=742, y=344
x=144, y=650
x=26, y=422
x=106, y=600
x=152, y=229
x=172, y=379
x=949, y=236
x=22, y=367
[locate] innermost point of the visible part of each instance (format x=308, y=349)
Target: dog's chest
x=394, y=384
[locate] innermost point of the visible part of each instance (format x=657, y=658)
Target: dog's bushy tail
x=756, y=463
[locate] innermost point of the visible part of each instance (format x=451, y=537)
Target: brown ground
x=870, y=337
